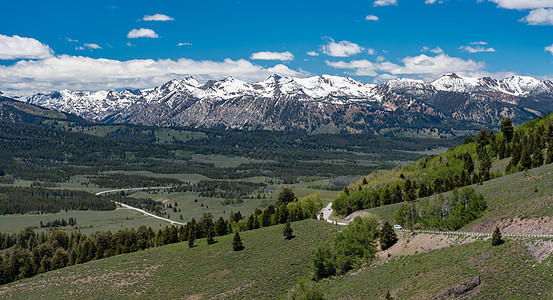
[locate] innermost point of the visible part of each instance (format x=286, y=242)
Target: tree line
x=442, y=212
x=15, y=200
x=27, y=253
x=529, y=146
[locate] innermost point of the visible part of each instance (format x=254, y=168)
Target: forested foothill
x=525, y=147
x=55, y=153
x=27, y=253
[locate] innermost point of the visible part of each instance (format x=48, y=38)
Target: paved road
x=132, y=190
x=136, y=208
x=479, y=233
x=326, y=214
x=328, y=210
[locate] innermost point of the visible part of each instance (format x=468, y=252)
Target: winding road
x=327, y=211
x=136, y=208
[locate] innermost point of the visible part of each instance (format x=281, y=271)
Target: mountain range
x=319, y=103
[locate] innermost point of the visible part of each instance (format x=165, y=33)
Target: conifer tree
x=237, y=242
x=549, y=153
x=496, y=237
x=191, y=237
x=507, y=129
x=287, y=231
x=209, y=236
x=387, y=236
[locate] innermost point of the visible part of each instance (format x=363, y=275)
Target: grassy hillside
x=524, y=195
x=487, y=156
x=268, y=267
x=508, y=271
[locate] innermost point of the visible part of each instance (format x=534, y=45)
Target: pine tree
x=191, y=237
x=209, y=236
x=549, y=153
x=237, y=242
x=537, y=158
x=287, y=231
x=496, y=237
x=526, y=159
x=507, y=129
x=387, y=236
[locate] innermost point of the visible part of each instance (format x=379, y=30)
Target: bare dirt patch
x=409, y=244
x=355, y=214
x=540, y=250
x=516, y=225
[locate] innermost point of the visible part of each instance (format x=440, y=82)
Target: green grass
x=169, y=135
x=87, y=221
x=191, y=209
x=525, y=195
x=506, y=271
x=267, y=268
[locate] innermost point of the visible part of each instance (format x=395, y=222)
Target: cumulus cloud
x=523, y=4
x=541, y=16
x=16, y=47
x=478, y=43
x=421, y=66
x=371, y=51
x=74, y=72
x=71, y=40
x=312, y=53
x=384, y=2
x=371, y=18
x=268, y=55
x=142, y=33
x=477, y=49
x=341, y=49
x=184, y=44
x=158, y=17
x=549, y=49
x=433, y=1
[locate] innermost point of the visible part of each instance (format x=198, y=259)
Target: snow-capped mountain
x=311, y=103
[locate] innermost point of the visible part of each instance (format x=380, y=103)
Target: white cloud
x=539, y=16
x=74, y=72
x=341, y=49
x=92, y=46
x=79, y=48
x=371, y=51
x=422, y=66
x=523, y=4
x=312, y=53
x=433, y=1
x=476, y=49
x=384, y=2
x=71, y=40
x=478, y=43
x=16, y=47
x=549, y=49
x=371, y=18
x=142, y=33
x=436, y=50
x=268, y=55
x=184, y=44
x=158, y=17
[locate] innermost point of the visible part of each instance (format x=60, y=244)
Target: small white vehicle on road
x=398, y=227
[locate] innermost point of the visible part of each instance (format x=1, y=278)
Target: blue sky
x=93, y=45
